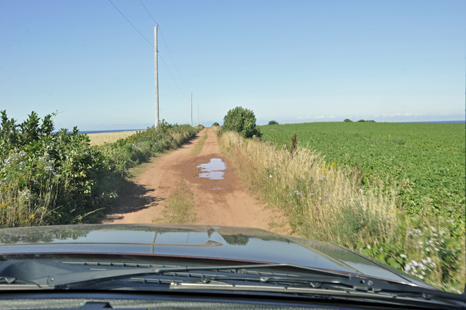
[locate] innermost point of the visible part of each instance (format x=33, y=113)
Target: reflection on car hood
x=215, y=242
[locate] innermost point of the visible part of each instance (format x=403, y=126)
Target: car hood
x=213, y=242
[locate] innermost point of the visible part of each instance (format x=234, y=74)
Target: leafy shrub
x=273, y=123
x=215, y=124
x=242, y=121
x=59, y=178
x=347, y=120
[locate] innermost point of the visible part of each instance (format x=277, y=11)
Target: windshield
x=320, y=134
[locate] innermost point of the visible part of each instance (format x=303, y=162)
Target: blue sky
x=290, y=61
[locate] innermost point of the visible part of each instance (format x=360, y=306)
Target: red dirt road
x=217, y=202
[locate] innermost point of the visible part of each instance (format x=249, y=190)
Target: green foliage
x=215, y=124
x=273, y=123
x=59, y=178
x=138, y=148
x=348, y=120
x=426, y=164
x=425, y=160
x=242, y=121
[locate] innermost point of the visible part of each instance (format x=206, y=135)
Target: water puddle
x=212, y=169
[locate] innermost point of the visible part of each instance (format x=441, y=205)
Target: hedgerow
x=51, y=178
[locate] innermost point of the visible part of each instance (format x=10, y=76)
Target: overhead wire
x=130, y=22
x=166, y=45
x=163, y=61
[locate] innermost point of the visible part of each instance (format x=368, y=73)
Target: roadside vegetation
x=396, y=195
x=241, y=120
x=49, y=178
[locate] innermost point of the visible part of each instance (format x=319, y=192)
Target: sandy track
x=218, y=202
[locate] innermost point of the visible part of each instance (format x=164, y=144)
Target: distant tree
x=215, y=124
x=242, y=121
x=347, y=120
x=361, y=121
x=273, y=123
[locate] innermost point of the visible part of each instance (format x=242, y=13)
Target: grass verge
x=179, y=207
x=200, y=144
x=329, y=204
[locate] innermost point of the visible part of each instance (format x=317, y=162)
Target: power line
x=166, y=45
x=164, y=42
x=147, y=11
x=130, y=23
x=163, y=61
x=150, y=44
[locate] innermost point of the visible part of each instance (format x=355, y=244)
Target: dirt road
x=217, y=202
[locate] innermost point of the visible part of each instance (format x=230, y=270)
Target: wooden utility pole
x=156, y=78
x=191, y=109
x=197, y=115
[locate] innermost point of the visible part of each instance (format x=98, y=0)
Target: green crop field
x=423, y=162
x=426, y=160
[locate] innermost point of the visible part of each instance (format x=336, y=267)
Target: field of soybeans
x=425, y=160
x=424, y=163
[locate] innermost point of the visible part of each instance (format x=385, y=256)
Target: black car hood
x=213, y=242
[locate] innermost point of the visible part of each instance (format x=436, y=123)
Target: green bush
x=215, y=124
x=347, y=120
x=59, y=178
x=273, y=123
x=242, y=121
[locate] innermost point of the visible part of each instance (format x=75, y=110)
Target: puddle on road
x=212, y=169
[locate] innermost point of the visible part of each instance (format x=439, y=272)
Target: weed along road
x=193, y=185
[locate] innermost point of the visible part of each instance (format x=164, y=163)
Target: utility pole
x=191, y=109
x=197, y=115
x=202, y=122
x=156, y=78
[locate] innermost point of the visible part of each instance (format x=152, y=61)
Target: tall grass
x=329, y=204
x=316, y=197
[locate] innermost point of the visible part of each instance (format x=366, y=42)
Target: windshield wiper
x=99, y=274
x=286, y=278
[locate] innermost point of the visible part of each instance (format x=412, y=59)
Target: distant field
x=426, y=160
x=108, y=137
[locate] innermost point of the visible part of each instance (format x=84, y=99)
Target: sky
x=289, y=61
